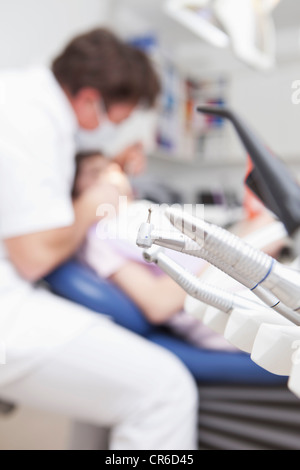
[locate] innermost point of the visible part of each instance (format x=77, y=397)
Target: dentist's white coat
x=60, y=356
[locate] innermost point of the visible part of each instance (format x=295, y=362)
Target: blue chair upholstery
x=81, y=285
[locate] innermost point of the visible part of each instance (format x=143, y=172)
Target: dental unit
x=276, y=286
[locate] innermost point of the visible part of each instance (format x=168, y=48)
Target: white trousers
x=109, y=377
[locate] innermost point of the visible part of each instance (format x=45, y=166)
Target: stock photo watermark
x=124, y=222
x=296, y=92
x=2, y=353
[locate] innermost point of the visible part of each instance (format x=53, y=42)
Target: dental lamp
x=245, y=26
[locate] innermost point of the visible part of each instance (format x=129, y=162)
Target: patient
x=110, y=250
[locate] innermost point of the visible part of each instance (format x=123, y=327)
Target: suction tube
x=277, y=188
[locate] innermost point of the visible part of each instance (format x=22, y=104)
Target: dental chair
x=242, y=406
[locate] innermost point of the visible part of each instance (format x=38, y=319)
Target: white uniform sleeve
x=33, y=196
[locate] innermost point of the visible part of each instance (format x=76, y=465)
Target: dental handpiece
x=248, y=262
x=177, y=241
x=206, y=293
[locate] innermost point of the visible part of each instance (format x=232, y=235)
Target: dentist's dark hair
x=100, y=60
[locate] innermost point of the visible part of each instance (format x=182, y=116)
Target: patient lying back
x=111, y=251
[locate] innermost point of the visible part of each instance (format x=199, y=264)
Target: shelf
x=196, y=162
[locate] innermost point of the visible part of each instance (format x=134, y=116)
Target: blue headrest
x=80, y=284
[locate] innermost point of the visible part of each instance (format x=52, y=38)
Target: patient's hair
x=80, y=158
x=100, y=60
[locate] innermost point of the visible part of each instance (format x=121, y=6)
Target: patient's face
x=89, y=172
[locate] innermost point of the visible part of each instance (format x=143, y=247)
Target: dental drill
x=206, y=293
x=275, y=285
x=248, y=262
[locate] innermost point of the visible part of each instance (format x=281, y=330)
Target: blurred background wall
x=33, y=31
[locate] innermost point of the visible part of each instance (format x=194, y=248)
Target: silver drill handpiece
x=248, y=262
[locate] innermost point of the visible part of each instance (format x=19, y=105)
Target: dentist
x=59, y=356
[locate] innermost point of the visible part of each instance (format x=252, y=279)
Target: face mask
x=99, y=138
